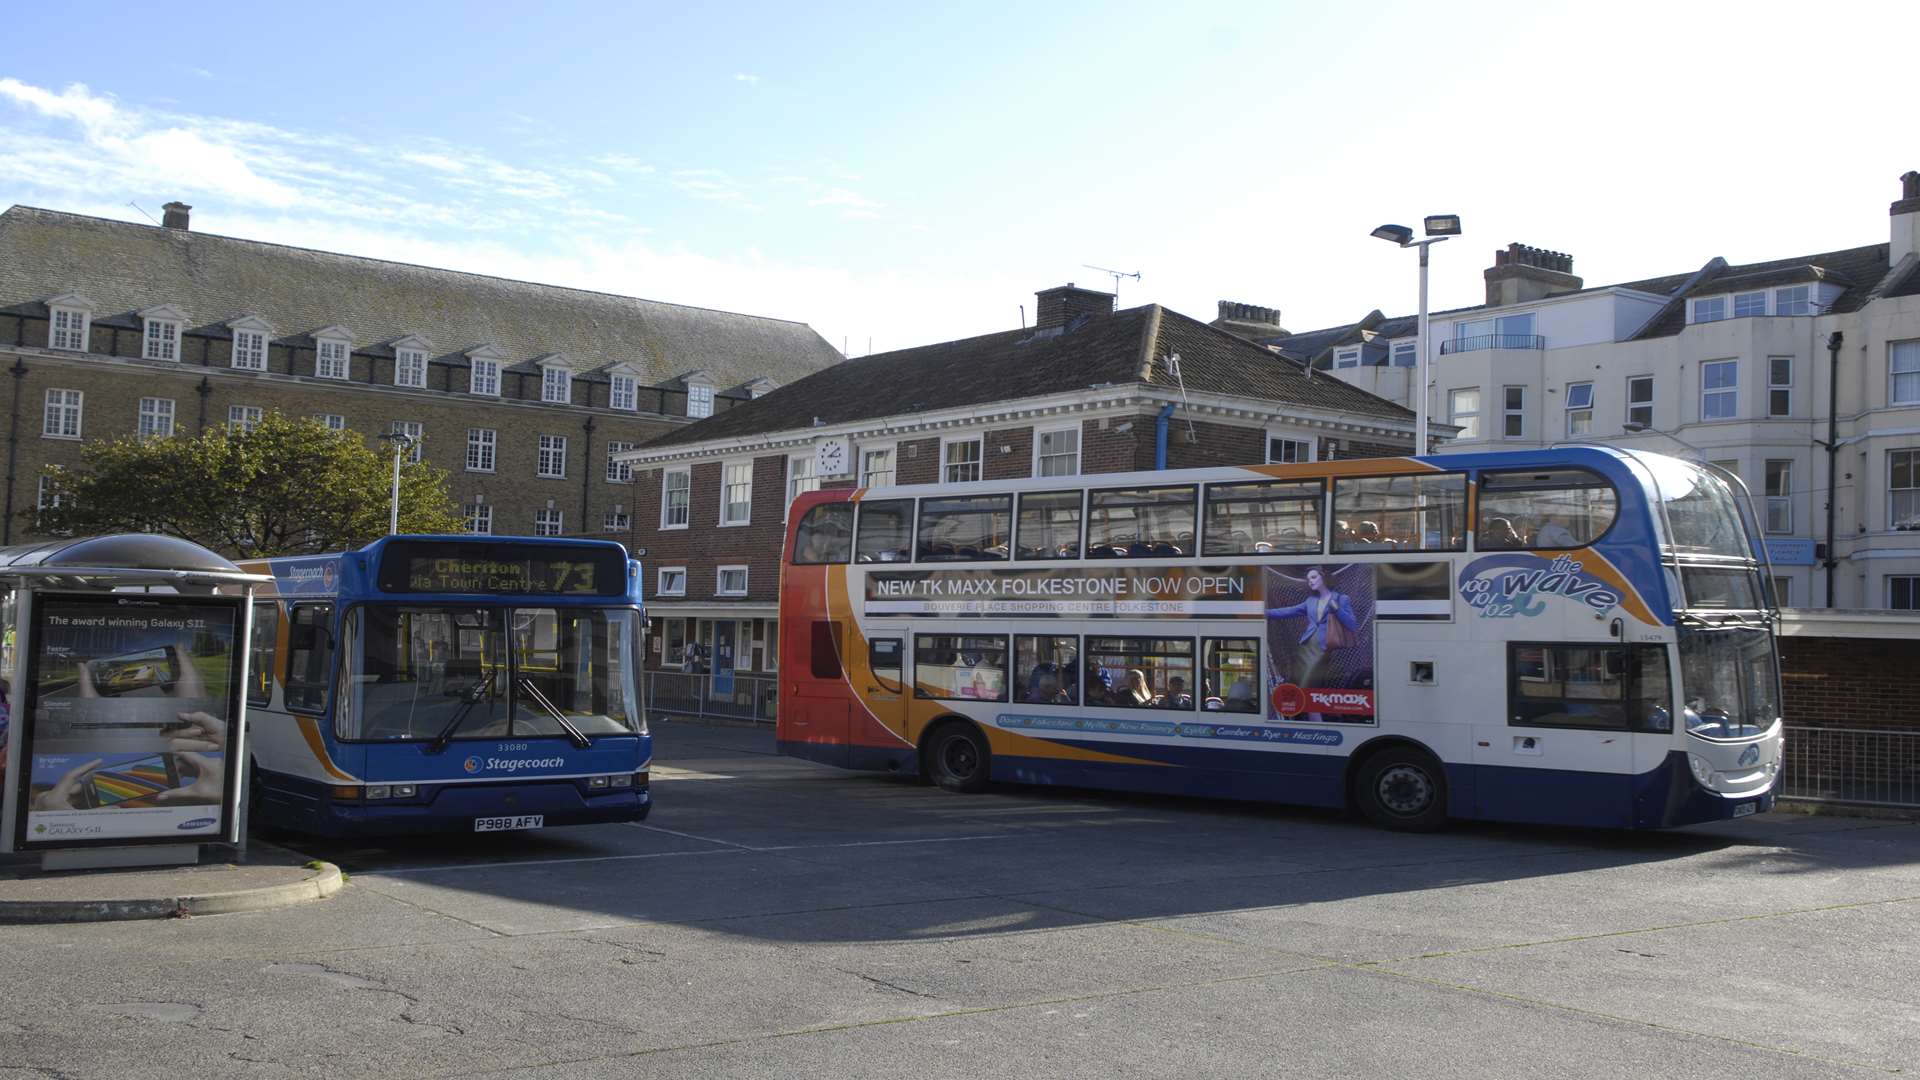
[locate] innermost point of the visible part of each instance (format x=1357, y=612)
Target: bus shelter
x=123, y=665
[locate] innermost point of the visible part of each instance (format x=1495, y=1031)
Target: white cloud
x=76, y=103
x=852, y=200
x=750, y=80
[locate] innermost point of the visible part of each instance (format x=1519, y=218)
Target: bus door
x=886, y=692
x=1561, y=751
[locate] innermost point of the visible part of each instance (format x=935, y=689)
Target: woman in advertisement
x=1330, y=624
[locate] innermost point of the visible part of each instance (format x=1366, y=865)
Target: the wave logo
x=1505, y=586
x=197, y=823
x=472, y=765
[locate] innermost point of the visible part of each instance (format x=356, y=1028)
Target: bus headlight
x=1702, y=770
x=379, y=791
x=624, y=780
x=597, y=781
x=405, y=791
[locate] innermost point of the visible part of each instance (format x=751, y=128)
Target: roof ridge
x=395, y=262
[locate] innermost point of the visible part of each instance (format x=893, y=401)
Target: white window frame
x=1040, y=456
x=1783, y=590
x=483, y=444
x=1911, y=502
x=1774, y=387
x=332, y=357
x=251, y=346
x=1804, y=302
x=979, y=462
x=410, y=368
x=1783, y=502
x=1903, y=352
x=1647, y=404
x=1694, y=306
x=549, y=521
x=481, y=515
x=483, y=378
x=676, y=576
x=556, y=384
x=1304, y=454
x=699, y=400
x=1410, y=349
x=334, y=421
x=726, y=467
x=1468, y=422
x=59, y=413
x=619, y=472
x=551, y=461
x=1732, y=391
x=666, y=498
x=801, y=476
x=1347, y=357
x=68, y=338
x=244, y=417
x=44, y=495
x=1760, y=294
x=893, y=463
x=1512, y=412
x=720, y=580
x=413, y=429
x=1913, y=590
x=623, y=392
x=1579, y=417
x=155, y=418
x=616, y=519
x=160, y=339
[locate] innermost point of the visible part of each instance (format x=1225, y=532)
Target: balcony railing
x=1492, y=341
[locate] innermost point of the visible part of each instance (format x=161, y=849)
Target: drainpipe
x=586, y=477
x=13, y=444
x=1833, y=448
x=1160, y=437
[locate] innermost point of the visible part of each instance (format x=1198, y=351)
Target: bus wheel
x=1403, y=788
x=958, y=758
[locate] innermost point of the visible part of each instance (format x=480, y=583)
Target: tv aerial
x=1116, y=275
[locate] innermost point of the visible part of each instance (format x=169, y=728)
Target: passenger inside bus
x=1138, y=692
x=1176, y=696
x=1499, y=534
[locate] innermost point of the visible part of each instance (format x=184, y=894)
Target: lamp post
x=402, y=444
x=1438, y=227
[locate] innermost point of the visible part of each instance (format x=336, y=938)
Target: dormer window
x=1343, y=358
x=556, y=384
x=410, y=363
x=161, y=337
x=1749, y=305
x=624, y=392
x=250, y=336
x=699, y=400
x=1712, y=309
x=70, y=317
x=484, y=377
x=331, y=350
x=1791, y=301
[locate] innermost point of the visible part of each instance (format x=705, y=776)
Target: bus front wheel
x=958, y=759
x=1403, y=788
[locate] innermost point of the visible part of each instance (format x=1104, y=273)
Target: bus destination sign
x=501, y=569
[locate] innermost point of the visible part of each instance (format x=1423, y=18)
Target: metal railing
x=731, y=697
x=1492, y=341
x=1863, y=766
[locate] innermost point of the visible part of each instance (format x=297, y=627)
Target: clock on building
x=830, y=457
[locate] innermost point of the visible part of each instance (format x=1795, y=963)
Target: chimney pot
x=175, y=215
x=1910, y=185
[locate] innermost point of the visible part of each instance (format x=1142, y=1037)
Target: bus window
x=418, y=669
x=960, y=667
x=1049, y=668
x=1256, y=519
x=1425, y=512
x=1230, y=675
x=1140, y=523
x=825, y=535
x=266, y=636
x=309, y=656
x=1550, y=509
x=965, y=528
x=884, y=657
x=1146, y=673
x=1049, y=526
x=571, y=665
x=886, y=531
x=826, y=649
x=1569, y=686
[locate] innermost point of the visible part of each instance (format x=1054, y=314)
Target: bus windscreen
x=425, y=566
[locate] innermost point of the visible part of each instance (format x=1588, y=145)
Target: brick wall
x=1851, y=682
x=1215, y=445
x=1008, y=453
x=917, y=461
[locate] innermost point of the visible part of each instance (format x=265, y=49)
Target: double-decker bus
x=1580, y=635
x=448, y=684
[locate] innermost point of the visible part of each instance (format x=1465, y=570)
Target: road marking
x=668, y=773
x=537, y=862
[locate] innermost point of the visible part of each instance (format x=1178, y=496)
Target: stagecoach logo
x=1505, y=586
x=472, y=765
x=312, y=577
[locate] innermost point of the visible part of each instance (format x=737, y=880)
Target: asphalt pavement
x=780, y=919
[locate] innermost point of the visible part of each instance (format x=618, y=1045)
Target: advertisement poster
x=1320, y=623
x=128, y=709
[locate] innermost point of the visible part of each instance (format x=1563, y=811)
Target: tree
x=288, y=487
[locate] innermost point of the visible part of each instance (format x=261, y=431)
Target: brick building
x=1086, y=390
x=523, y=392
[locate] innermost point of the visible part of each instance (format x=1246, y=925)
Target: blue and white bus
x=1579, y=635
x=448, y=684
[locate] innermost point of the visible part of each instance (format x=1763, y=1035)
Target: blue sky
x=901, y=175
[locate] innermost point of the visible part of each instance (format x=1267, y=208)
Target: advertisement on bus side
x=1320, y=636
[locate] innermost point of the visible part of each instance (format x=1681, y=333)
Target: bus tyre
x=958, y=758
x=1403, y=788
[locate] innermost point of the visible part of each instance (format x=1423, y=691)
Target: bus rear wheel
x=1402, y=788
x=957, y=758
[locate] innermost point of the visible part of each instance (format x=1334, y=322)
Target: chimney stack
x=1522, y=273
x=1906, y=219
x=175, y=215
x=1251, y=315
x=1062, y=304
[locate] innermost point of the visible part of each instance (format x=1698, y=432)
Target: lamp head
x=1398, y=234
x=1443, y=225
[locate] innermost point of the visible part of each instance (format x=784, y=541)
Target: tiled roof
x=124, y=267
x=1859, y=269
x=1015, y=364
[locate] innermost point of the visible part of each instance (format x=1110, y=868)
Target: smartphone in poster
x=1320, y=643
x=129, y=703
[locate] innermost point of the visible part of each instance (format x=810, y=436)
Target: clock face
x=830, y=457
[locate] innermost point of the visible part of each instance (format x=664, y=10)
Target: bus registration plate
x=1744, y=809
x=509, y=824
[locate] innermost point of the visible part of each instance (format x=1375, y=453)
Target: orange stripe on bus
x=310, y=729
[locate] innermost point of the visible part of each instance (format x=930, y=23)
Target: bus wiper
x=579, y=737
x=472, y=698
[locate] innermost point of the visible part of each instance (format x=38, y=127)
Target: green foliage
x=288, y=487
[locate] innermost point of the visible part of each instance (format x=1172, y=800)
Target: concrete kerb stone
x=321, y=881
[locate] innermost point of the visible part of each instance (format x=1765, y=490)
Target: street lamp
x=402, y=445
x=1438, y=227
